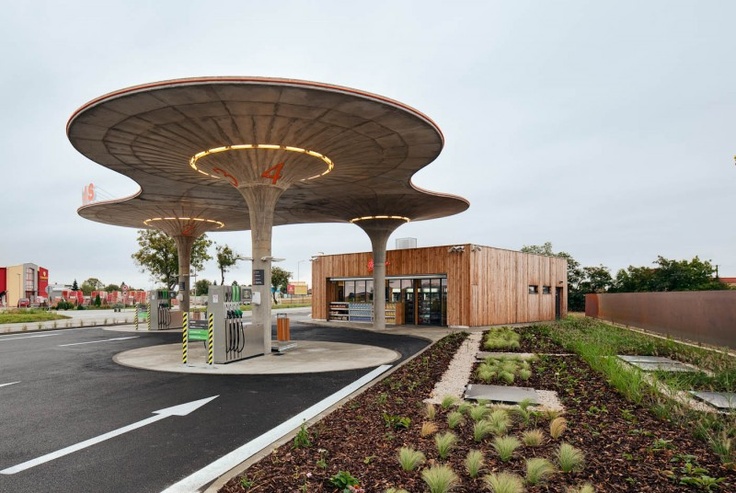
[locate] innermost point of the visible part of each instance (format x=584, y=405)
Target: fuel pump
x=160, y=309
x=233, y=338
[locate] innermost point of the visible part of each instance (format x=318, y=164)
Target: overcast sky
x=606, y=128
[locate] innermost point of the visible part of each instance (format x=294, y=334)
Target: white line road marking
x=17, y=338
x=101, y=340
x=6, y=384
x=180, y=410
x=209, y=473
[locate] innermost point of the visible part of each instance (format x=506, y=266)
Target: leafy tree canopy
x=91, y=284
x=226, y=257
x=279, y=280
x=668, y=275
x=202, y=287
x=75, y=286
x=158, y=256
x=112, y=287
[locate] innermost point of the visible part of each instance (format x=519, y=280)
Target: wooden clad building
x=455, y=285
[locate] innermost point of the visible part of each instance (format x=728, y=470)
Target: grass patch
x=28, y=316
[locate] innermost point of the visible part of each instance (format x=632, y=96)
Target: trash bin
x=282, y=327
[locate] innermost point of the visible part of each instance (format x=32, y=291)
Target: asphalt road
x=69, y=391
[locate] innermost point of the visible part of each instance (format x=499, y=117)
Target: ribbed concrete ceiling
x=151, y=132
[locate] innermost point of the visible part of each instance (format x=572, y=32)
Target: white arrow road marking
x=101, y=340
x=6, y=384
x=180, y=410
x=17, y=338
x=197, y=480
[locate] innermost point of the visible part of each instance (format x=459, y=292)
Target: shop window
x=546, y=290
x=533, y=289
x=349, y=291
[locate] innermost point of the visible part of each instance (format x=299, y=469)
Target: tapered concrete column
x=379, y=230
x=184, y=250
x=261, y=200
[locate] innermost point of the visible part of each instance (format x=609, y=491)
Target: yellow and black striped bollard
x=184, y=336
x=149, y=315
x=211, y=339
x=136, y=317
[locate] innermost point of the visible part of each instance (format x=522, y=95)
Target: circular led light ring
x=219, y=224
x=237, y=147
x=367, y=218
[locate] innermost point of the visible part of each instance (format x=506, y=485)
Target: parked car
x=24, y=303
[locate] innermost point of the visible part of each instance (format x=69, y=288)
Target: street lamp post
x=298, y=277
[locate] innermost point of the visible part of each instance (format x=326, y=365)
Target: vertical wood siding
x=485, y=285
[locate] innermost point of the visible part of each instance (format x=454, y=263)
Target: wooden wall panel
x=486, y=286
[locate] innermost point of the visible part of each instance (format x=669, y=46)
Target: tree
x=91, y=284
x=202, y=287
x=98, y=301
x=111, y=288
x=75, y=286
x=669, y=275
x=158, y=256
x=279, y=280
x=226, y=258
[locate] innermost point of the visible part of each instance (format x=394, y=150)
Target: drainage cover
x=721, y=400
x=501, y=393
x=655, y=363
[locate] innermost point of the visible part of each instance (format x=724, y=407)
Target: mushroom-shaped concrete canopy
x=296, y=151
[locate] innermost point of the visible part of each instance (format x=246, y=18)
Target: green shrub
x=343, y=479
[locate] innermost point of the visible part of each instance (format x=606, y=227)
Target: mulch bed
x=626, y=448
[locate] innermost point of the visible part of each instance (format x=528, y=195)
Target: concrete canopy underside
x=246, y=153
x=150, y=133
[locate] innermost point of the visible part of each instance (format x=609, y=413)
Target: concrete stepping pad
x=720, y=400
x=501, y=393
x=657, y=363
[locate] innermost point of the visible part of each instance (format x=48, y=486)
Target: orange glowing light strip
x=236, y=147
x=366, y=218
x=219, y=224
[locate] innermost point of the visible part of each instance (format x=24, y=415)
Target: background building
x=21, y=282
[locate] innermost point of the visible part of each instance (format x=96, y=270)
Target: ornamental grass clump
x=500, y=421
x=440, y=478
x=504, y=482
x=474, y=463
x=557, y=427
x=505, y=446
x=428, y=428
x=501, y=338
x=410, y=459
x=455, y=419
x=569, y=458
x=448, y=401
x=430, y=411
x=532, y=438
x=477, y=413
x=538, y=469
x=445, y=443
x=482, y=429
